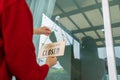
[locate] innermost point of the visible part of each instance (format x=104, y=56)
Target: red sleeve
x=17, y=29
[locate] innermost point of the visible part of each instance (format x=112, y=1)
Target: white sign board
x=49, y=48
x=52, y=49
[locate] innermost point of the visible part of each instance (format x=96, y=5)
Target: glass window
x=86, y=57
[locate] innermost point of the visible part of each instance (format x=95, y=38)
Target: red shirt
x=17, y=52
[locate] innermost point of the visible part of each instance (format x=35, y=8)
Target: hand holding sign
x=50, y=61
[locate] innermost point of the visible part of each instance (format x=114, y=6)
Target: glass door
x=83, y=21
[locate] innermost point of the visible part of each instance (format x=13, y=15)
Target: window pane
x=86, y=56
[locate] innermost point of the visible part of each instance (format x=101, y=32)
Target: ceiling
x=82, y=18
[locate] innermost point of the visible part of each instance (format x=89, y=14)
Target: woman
x=17, y=52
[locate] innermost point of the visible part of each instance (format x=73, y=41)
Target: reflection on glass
x=83, y=21
x=92, y=67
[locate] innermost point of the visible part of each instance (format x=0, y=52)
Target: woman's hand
x=42, y=30
x=51, y=61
